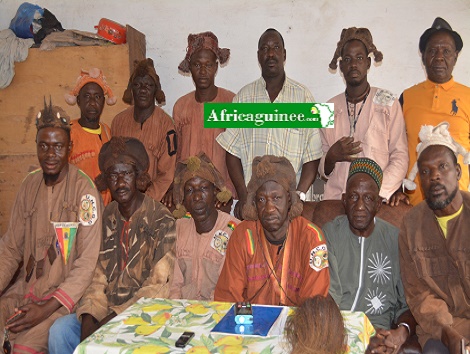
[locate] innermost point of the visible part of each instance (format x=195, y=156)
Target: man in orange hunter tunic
x=275, y=256
x=88, y=133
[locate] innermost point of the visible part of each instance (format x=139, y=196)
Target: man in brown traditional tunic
x=136, y=258
x=55, y=231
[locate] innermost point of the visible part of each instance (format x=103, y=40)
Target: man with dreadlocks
x=150, y=124
x=202, y=61
x=136, y=258
x=275, y=256
x=368, y=121
x=54, y=231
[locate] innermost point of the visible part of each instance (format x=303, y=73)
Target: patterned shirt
x=299, y=146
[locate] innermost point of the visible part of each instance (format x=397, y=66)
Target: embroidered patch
x=250, y=242
x=319, y=258
x=220, y=241
x=231, y=225
x=88, y=214
x=384, y=98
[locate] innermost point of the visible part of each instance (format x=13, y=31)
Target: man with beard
x=150, y=124
x=136, y=258
x=88, y=133
x=302, y=147
x=435, y=246
x=439, y=98
x=275, y=256
x=202, y=61
x=364, y=263
x=54, y=233
x=368, y=121
x=203, y=233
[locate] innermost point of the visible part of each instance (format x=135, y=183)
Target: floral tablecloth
x=153, y=326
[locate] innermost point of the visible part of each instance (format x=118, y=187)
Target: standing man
x=364, y=262
x=368, y=121
x=88, y=133
x=439, y=98
x=435, y=246
x=275, y=256
x=203, y=234
x=150, y=124
x=54, y=232
x=136, y=258
x=302, y=147
x=202, y=61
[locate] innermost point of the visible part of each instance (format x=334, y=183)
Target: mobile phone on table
x=184, y=339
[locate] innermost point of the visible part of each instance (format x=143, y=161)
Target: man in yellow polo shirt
x=439, y=98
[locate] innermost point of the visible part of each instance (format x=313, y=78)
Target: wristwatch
x=302, y=195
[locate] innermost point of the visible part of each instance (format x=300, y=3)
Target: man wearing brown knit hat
x=203, y=232
x=150, y=124
x=368, y=121
x=136, y=258
x=202, y=60
x=54, y=232
x=275, y=256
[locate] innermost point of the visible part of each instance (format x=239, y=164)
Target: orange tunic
x=158, y=135
x=194, y=138
x=247, y=274
x=85, y=150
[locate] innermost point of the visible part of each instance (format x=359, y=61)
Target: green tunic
x=365, y=272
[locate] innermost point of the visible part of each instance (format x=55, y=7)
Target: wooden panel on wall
x=51, y=74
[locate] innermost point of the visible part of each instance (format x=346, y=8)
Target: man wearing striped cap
x=364, y=262
x=275, y=256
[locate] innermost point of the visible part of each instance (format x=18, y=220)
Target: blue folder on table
x=263, y=319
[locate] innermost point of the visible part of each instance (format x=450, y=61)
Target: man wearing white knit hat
x=435, y=247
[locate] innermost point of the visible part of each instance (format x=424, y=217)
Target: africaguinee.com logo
x=268, y=115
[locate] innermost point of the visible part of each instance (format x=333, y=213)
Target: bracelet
x=404, y=324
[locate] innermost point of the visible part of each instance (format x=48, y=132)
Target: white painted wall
x=311, y=29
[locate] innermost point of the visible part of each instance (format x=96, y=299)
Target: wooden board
x=52, y=74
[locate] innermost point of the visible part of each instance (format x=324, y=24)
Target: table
x=153, y=326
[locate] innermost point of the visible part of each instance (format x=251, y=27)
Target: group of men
x=82, y=265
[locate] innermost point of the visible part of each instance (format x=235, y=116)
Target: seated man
x=275, y=256
x=53, y=201
x=203, y=234
x=363, y=256
x=88, y=133
x=368, y=121
x=435, y=246
x=136, y=258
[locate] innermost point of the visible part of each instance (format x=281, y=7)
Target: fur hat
x=196, y=166
x=93, y=75
x=52, y=117
x=271, y=168
x=142, y=68
x=127, y=151
x=438, y=135
x=361, y=34
x=439, y=24
x=204, y=40
x=368, y=166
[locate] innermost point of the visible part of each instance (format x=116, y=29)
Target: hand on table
x=387, y=341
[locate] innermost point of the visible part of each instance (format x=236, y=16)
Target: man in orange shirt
x=88, y=134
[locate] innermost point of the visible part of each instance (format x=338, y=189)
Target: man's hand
x=167, y=199
x=34, y=314
x=453, y=340
x=387, y=341
x=89, y=326
x=345, y=149
x=398, y=197
x=225, y=207
x=238, y=209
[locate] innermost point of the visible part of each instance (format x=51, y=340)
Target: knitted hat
x=196, y=166
x=438, y=135
x=94, y=75
x=52, y=117
x=142, y=68
x=439, y=24
x=204, y=40
x=127, y=151
x=368, y=166
x=271, y=168
x=361, y=34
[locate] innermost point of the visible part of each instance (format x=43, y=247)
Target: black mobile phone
x=184, y=339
